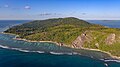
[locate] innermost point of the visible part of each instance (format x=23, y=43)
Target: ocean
x=15, y=53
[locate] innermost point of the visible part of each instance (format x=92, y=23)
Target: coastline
x=7, y=33
x=59, y=44
x=115, y=57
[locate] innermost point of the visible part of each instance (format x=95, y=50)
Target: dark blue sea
x=14, y=53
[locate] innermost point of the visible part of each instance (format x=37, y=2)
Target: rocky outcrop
x=80, y=40
x=97, y=45
x=110, y=39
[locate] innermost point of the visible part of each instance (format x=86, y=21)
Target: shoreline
x=59, y=44
x=115, y=57
x=71, y=47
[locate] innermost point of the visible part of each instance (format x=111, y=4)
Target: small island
x=71, y=32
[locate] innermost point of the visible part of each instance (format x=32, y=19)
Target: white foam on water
x=106, y=64
x=69, y=53
x=22, y=50
x=75, y=53
x=110, y=60
x=61, y=53
x=4, y=46
x=56, y=53
x=39, y=51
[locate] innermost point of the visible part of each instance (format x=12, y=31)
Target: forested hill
x=56, y=29
x=71, y=32
x=56, y=22
x=43, y=25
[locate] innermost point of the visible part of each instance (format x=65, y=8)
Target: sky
x=43, y=9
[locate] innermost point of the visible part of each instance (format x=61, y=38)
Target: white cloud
x=48, y=14
x=27, y=7
x=6, y=6
x=44, y=14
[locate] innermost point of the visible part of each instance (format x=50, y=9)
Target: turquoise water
x=15, y=53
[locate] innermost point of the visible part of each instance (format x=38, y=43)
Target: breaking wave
x=108, y=60
x=6, y=47
x=61, y=53
x=23, y=50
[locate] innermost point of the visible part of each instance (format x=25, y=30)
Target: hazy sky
x=42, y=9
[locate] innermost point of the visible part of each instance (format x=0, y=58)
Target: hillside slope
x=72, y=32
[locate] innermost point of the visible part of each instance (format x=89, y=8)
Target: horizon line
x=59, y=17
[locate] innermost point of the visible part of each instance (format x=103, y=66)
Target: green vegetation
x=66, y=30
x=60, y=30
x=100, y=36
